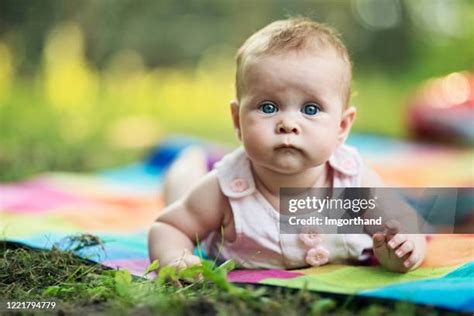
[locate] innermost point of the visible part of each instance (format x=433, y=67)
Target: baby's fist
x=185, y=261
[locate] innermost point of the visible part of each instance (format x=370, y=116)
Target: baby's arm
x=172, y=237
x=395, y=251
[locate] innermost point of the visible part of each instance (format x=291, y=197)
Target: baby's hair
x=293, y=34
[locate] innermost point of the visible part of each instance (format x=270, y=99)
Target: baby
x=292, y=115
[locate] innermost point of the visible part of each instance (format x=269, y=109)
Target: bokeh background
x=86, y=85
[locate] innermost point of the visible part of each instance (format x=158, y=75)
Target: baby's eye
x=311, y=109
x=268, y=108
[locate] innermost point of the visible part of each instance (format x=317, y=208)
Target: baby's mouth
x=287, y=146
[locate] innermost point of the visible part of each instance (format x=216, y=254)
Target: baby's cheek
x=255, y=133
x=324, y=145
x=254, y=141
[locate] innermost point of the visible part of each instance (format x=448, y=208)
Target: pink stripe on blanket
x=255, y=276
x=36, y=196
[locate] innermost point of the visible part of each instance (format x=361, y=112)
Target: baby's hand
x=185, y=261
x=399, y=252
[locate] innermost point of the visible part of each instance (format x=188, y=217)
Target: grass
x=81, y=287
x=76, y=118
x=36, y=135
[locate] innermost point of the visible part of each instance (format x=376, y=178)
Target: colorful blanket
x=119, y=205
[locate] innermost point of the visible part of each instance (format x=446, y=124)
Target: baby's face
x=291, y=109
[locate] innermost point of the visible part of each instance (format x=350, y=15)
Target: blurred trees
x=391, y=35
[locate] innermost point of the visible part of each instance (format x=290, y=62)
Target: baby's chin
x=288, y=163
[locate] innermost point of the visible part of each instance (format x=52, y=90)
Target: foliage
x=81, y=287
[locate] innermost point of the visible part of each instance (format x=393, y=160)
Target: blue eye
x=268, y=108
x=310, y=109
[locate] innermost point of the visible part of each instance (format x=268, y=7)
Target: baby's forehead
x=298, y=64
x=255, y=59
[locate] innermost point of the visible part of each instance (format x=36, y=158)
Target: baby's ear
x=234, y=109
x=347, y=119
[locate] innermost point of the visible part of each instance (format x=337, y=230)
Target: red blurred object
x=443, y=109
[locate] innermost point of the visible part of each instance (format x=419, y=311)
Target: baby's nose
x=287, y=127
